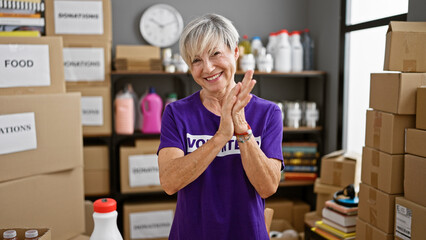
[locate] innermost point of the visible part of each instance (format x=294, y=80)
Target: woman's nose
x=208, y=66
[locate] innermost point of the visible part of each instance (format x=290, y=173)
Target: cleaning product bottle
x=124, y=113
x=170, y=98
x=151, y=106
x=139, y=110
x=105, y=219
x=31, y=234
x=296, y=52
x=10, y=235
x=283, y=52
x=272, y=42
x=256, y=46
x=308, y=51
x=246, y=44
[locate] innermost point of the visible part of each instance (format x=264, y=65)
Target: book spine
x=22, y=21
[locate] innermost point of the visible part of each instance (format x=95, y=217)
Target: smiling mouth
x=214, y=77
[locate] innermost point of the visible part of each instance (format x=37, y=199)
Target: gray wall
x=416, y=10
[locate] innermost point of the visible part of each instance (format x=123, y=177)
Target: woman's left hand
x=243, y=98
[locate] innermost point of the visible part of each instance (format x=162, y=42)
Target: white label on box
x=78, y=17
x=403, y=222
x=154, y=224
x=17, y=132
x=84, y=64
x=92, y=113
x=24, y=65
x=143, y=170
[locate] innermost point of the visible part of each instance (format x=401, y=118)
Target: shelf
x=292, y=183
x=302, y=130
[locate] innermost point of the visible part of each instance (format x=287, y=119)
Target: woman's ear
x=236, y=53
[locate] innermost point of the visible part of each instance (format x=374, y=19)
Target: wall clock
x=161, y=25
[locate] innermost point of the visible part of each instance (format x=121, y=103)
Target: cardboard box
x=31, y=65
x=137, y=52
x=383, y=171
x=82, y=19
x=415, y=179
x=88, y=214
x=280, y=225
x=410, y=219
x=53, y=200
x=421, y=108
x=139, y=167
x=376, y=207
x=368, y=232
x=405, y=47
x=338, y=169
x=324, y=193
x=87, y=63
x=80, y=237
x=96, y=170
x=283, y=208
x=159, y=216
x=395, y=92
x=95, y=109
x=385, y=131
x=415, y=142
x=49, y=137
x=299, y=210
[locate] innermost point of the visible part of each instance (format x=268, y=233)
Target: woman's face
x=214, y=69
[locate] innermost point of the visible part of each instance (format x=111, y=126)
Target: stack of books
x=338, y=222
x=19, y=17
x=300, y=159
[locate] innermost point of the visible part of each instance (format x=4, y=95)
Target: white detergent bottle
x=283, y=52
x=105, y=218
x=296, y=52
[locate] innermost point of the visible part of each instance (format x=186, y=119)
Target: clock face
x=161, y=25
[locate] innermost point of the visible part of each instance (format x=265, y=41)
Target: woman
x=220, y=147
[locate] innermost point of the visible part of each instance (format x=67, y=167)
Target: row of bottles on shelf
x=142, y=113
x=11, y=234
x=299, y=113
x=284, y=52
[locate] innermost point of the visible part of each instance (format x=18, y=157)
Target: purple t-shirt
x=221, y=203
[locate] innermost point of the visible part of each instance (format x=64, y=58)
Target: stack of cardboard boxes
x=393, y=103
x=41, y=173
x=85, y=27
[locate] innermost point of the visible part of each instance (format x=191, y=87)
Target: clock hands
x=160, y=24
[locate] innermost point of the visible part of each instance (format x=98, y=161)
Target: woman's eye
x=195, y=60
x=216, y=53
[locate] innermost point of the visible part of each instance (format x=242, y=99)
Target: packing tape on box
x=373, y=216
x=409, y=65
x=337, y=175
x=372, y=206
x=377, y=125
x=375, y=158
x=368, y=232
x=374, y=179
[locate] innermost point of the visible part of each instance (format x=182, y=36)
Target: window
x=364, y=26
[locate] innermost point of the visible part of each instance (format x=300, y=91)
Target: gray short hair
x=205, y=33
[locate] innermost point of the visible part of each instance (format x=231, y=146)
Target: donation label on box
x=153, y=224
x=17, y=132
x=78, y=17
x=85, y=64
x=92, y=111
x=143, y=170
x=24, y=65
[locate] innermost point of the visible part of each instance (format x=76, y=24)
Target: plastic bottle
x=272, y=42
x=256, y=46
x=308, y=51
x=247, y=62
x=180, y=64
x=246, y=44
x=265, y=61
x=105, y=219
x=171, y=98
x=283, y=52
x=10, y=235
x=311, y=114
x=124, y=113
x=296, y=52
x=129, y=88
x=140, y=123
x=31, y=235
x=151, y=106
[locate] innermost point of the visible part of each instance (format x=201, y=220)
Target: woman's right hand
x=226, y=127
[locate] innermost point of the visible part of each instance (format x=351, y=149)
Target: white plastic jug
x=105, y=219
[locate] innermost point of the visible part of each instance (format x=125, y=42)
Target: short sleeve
x=170, y=136
x=273, y=135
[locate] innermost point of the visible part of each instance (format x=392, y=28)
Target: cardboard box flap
x=334, y=154
x=399, y=26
